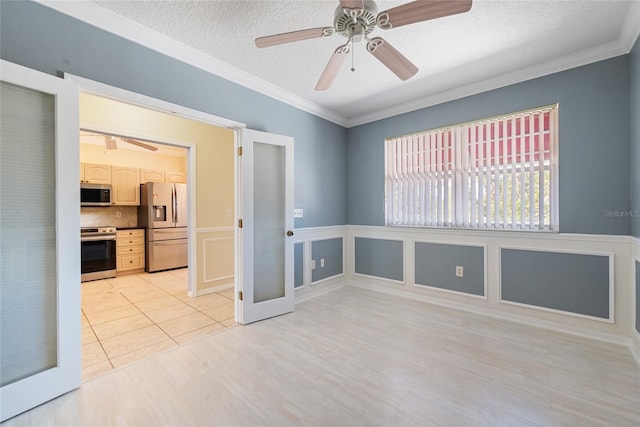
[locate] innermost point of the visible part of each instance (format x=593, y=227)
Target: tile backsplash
x=104, y=216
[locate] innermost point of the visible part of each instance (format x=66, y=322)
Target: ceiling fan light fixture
x=356, y=19
x=110, y=142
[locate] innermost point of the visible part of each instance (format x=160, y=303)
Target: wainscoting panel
x=332, y=251
x=218, y=259
x=215, y=250
x=379, y=258
x=298, y=255
x=319, y=242
x=576, y=283
x=435, y=266
x=591, y=285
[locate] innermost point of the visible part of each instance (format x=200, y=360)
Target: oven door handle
x=96, y=238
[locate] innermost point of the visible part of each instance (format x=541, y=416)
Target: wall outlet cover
x=459, y=271
x=313, y=264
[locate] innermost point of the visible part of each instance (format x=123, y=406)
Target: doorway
x=148, y=308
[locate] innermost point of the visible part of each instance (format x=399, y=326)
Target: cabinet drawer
x=130, y=241
x=129, y=250
x=130, y=233
x=129, y=262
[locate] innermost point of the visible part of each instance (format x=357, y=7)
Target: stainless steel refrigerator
x=163, y=211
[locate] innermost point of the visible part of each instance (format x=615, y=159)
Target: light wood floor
x=355, y=357
x=130, y=317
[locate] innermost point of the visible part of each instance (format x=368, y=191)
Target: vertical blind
x=498, y=173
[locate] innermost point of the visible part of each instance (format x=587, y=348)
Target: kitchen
x=140, y=292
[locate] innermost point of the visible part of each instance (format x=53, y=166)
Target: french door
x=40, y=234
x=266, y=210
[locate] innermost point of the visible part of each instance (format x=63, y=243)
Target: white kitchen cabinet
x=129, y=251
x=151, y=175
x=95, y=173
x=125, y=184
x=179, y=177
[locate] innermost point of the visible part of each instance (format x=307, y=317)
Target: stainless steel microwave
x=95, y=194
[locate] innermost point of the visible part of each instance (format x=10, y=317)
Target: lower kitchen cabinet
x=130, y=251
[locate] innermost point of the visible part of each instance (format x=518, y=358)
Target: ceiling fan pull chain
x=353, y=54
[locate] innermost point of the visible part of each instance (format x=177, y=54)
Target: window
x=498, y=174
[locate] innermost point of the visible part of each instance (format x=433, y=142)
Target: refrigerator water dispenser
x=159, y=213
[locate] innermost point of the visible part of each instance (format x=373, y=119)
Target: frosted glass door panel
x=269, y=221
x=28, y=288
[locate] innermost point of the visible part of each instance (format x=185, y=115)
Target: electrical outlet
x=321, y=262
x=118, y=214
x=313, y=264
x=459, y=271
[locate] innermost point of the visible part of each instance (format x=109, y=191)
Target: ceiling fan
x=356, y=19
x=111, y=143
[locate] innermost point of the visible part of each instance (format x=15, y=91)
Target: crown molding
x=628, y=35
x=631, y=28
x=574, y=60
x=111, y=22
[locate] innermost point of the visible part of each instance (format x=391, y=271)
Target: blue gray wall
x=331, y=251
x=40, y=38
x=635, y=138
x=435, y=265
x=298, y=265
x=575, y=283
x=379, y=258
x=593, y=146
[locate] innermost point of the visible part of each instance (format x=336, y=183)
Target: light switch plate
x=298, y=213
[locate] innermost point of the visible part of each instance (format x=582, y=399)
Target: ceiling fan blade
x=352, y=4
x=294, y=36
x=333, y=66
x=421, y=10
x=389, y=56
x=140, y=144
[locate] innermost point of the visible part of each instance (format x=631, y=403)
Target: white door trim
x=122, y=95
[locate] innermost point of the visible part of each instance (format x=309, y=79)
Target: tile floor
x=130, y=317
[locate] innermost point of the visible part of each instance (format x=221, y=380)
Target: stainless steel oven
x=98, y=253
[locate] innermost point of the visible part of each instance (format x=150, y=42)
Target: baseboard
x=502, y=315
x=308, y=292
x=634, y=345
x=213, y=289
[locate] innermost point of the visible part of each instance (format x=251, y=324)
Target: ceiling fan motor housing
x=356, y=23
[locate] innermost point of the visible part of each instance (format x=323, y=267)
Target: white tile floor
x=131, y=317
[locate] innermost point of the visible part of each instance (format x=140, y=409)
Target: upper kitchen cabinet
x=125, y=184
x=95, y=173
x=179, y=177
x=151, y=175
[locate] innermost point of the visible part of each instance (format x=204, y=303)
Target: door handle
x=289, y=233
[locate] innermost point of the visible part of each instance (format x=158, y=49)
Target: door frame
x=128, y=97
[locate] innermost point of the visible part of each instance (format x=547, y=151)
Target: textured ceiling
x=493, y=39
